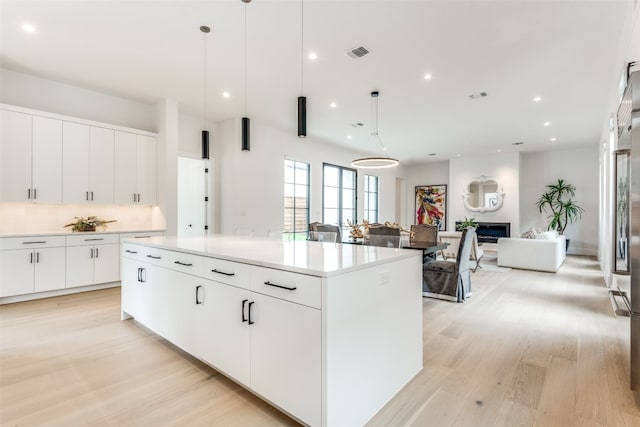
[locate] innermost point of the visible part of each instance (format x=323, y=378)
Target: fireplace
x=490, y=232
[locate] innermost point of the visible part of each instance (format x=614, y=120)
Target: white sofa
x=544, y=253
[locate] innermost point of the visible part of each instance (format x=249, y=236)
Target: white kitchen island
x=328, y=333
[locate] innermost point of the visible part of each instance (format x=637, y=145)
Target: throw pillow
x=547, y=235
x=531, y=234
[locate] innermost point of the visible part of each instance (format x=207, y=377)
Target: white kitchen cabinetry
x=87, y=160
x=135, y=165
x=29, y=265
x=30, y=158
x=92, y=259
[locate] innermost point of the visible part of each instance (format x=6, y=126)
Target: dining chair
x=383, y=230
x=448, y=280
x=315, y=227
x=383, y=240
x=424, y=233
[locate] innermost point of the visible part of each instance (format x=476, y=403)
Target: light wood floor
x=528, y=349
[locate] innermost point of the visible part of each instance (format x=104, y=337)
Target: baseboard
x=56, y=293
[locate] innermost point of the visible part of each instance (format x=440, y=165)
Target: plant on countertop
x=466, y=223
x=558, y=202
x=89, y=223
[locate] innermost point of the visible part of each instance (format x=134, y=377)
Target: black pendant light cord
x=245, y=59
x=301, y=47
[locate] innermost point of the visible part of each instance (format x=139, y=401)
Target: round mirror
x=483, y=195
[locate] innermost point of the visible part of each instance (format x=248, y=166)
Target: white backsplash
x=43, y=218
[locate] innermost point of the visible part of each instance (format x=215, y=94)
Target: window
x=338, y=195
x=296, y=198
x=371, y=190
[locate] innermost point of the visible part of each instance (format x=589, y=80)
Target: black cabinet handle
x=94, y=239
x=154, y=257
x=222, y=272
x=198, y=301
x=29, y=193
x=34, y=242
x=96, y=252
x=92, y=195
x=280, y=286
x=251, y=322
x=131, y=252
x=91, y=253
x=31, y=259
x=183, y=263
x=87, y=195
x=139, y=274
x=244, y=301
x=37, y=257
x=35, y=194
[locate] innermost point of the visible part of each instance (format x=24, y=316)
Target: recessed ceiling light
x=537, y=99
x=348, y=136
x=356, y=125
x=226, y=94
x=553, y=139
x=517, y=143
x=478, y=95
x=333, y=105
x=313, y=56
x=29, y=28
x=427, y=76
x=547, y=123
x=459, y=155
x=432, y=154
x=499, y=150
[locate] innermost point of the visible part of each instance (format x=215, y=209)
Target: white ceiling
x=563, y=51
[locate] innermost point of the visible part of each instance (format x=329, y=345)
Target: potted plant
x=466, y=223
x=558, y=202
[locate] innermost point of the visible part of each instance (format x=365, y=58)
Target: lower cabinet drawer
x=31, y=242
x=186, y=263
x=294, y=287
x=229, y=272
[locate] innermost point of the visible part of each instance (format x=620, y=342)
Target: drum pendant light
x=246, y=123
x=302, y=100
x=375, y=162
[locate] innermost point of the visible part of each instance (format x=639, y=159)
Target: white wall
x=28, y=91
x=251, y=188
x=505, y=167
x=576, y=166
x=423, y=174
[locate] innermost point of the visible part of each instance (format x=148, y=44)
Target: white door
x=125, y=187
x=191, y=193
x=146, y=169
x=16, y=272
x=286, y=356
x=106, y=261
x=15, y=156
x=101, y=165
x=50, y=269
x=47, y=160
x=79, y=264
x=75, y=163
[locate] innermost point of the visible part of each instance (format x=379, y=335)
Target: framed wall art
x=431, y=205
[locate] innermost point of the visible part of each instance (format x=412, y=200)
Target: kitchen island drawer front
x=34, y=242
x=154, y=256
x=186, y=263
x=229, y=272
x=132, y=251
x=140, y=235
x=294, y=287
x=93, y=239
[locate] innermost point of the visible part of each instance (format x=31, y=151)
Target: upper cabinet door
x=15, y=156
x=101, y=165
x=125, y=155
x=47, y=160
x=146, y=174
x=75, y=163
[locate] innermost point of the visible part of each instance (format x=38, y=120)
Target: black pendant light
x=246, y=123
x=205, y=133
x=302, y=100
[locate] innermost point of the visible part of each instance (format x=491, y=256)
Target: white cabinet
x=29, y=265
x=30, y=158
x=135, y=165
x=92, y=259
x=87, y=159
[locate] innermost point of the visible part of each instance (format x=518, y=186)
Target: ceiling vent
x=357, y=52
x=478, y=95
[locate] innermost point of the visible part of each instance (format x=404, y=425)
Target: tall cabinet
x=30, y=158
x=135, y=163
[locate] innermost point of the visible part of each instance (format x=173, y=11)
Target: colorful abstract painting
x=431, y=205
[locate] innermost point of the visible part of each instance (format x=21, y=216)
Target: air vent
x=478, y=95
x=357, y=52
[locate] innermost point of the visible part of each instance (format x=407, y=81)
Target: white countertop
x=68, y=232
x=306, y=257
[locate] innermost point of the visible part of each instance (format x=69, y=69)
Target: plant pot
x=83, y=227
